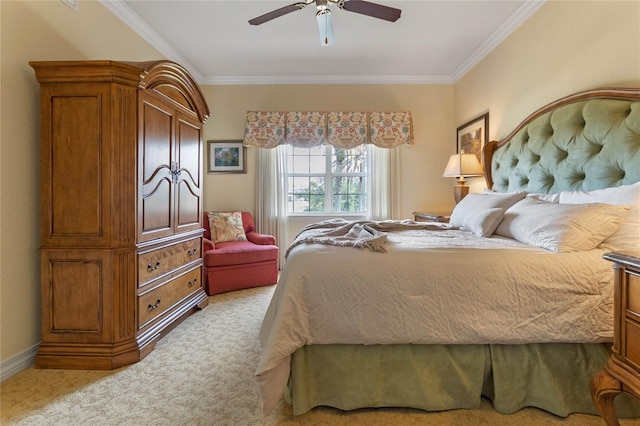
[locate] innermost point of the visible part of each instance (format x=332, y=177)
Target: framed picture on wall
x=226, y=157
x=473, y=135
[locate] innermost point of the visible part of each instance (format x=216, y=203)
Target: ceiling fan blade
x=372, y=9
x=277, y=13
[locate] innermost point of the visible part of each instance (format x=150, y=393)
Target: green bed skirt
x=554, y=377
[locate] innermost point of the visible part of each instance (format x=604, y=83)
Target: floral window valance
x=305, y=129
x=268, y=129
x=264, y=129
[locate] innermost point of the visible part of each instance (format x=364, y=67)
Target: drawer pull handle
x=151, y=267
x=192, y=283
x=152, y=307
x=192, y=252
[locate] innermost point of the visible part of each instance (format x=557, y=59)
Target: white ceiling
x=432, y=42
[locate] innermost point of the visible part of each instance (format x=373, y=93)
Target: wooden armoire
x=121, y=208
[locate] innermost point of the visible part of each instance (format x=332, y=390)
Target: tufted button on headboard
x=586, y=141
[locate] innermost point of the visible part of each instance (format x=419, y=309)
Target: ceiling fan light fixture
x=325, y=27
x=323, y=14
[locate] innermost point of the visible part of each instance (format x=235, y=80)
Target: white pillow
x=561, y=227
x=484, y=222
x=472, y=204
x=547, y=198
x=627, y=237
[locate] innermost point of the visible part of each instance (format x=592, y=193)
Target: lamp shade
x=460, y=165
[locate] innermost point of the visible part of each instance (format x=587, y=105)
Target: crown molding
x=130, y=18
x=327, y=79
x=137, y=24
x=520, y=15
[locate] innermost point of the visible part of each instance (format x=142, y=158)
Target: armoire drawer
x=159, y=299
x=155, y=263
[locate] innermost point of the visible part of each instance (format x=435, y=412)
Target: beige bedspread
x=432, y=287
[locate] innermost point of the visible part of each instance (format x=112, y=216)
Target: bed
x=511, y=301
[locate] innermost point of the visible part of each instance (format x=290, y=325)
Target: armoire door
x=189, y=174
x=155, y=170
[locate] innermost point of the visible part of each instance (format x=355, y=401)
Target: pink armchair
x=235, y=265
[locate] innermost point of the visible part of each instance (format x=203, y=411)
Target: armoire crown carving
x=121, y=208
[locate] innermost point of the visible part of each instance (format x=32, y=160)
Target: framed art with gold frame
x=472, y=136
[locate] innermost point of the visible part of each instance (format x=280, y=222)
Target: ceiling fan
x=323, y=14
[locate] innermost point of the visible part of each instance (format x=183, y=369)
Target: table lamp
x=461, y=166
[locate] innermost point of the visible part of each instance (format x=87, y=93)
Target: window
x=329, y=180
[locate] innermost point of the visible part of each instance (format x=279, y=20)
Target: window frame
x=328, y=176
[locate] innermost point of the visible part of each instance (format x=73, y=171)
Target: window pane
x=300, y=164
x=306, y=160
x=349, y=185
x=317, y=159
x=349, y=160
x=298, y=193
x=349, y=194
x=349, y=203
x=316, y=203
x=308, y=179
x=300, y=205
x=305, y=194
x=316, y=185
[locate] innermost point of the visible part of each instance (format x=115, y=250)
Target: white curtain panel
x=271, y=196
x=395, y=183
x=380, y=185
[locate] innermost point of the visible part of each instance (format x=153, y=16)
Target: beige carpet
x=202, y=374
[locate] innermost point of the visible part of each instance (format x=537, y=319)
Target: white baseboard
x=17, y=363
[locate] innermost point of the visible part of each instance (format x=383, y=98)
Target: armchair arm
x=207, y=244
x=261, y=239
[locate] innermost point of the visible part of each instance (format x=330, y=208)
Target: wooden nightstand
x=431, y=217
x=622, y=371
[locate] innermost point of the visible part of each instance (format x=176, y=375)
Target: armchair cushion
x=239, y=253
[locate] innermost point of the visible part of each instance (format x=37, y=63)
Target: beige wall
x=566, y=46
x=38, y=30
x=422, y=163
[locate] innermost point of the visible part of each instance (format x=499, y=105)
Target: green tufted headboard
x=586, y=141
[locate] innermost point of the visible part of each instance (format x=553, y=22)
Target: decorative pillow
x=561, y=227
x=472, y=204
x=483, y=223
x=226, y=226
x=627, y=237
